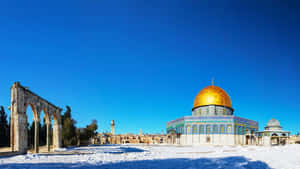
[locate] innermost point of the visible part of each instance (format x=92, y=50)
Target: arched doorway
x=207, y=139
x=172, y=136
x=274, y=139
x=247, y=140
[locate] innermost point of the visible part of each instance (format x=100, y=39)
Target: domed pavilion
x=273, y=134
x=212, y=122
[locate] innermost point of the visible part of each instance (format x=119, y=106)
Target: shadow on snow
x=122, y=150
x=235, y=162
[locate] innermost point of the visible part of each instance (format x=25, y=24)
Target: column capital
x=36, y=119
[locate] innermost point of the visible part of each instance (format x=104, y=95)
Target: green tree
x=91, y=129
x=4, y=128
x=68, y=130
x=66, y=115
x=84, y=134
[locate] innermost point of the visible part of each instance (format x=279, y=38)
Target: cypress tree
x=68, y=130
x=42, y=133
x=31, y=135
x=4, y=128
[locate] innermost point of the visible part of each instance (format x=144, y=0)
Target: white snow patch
x=59, y=149
x=162, y=157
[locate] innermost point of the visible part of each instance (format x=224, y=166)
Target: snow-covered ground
x=162, y=157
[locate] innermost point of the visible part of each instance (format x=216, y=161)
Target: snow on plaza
x=160, y=157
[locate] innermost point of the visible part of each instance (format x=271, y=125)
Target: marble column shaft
x=36, y=136
x=48, y=137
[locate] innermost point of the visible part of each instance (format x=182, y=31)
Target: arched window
x=224, y=112
x=222, y=129
x=201, y=128
x=208, y=129
x=194, y=129
x=215, y=129
x=240, y=130
x=188, y=129
x=229, y=129
x=237, y=128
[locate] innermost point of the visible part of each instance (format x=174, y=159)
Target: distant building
x=295, y=139
x=273, y=134
x=111, y=138
x=130, y=139
x=112, y=127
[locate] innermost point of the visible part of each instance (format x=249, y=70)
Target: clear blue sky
x=143, y=63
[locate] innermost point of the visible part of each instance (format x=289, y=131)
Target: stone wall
x=207, y=139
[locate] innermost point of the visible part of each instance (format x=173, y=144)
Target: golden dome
x=212, y=95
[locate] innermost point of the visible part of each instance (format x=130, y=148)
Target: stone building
x=273, y=134
x=112, y=127
x=212, y=122
x=295, y=139
x=107, y=138
x=111, y=138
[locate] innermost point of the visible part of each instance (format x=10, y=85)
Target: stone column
x=12, y=140
x=57, y=138
x=48, y=136
x=18, y=117
x=36, y=135
x=55, y=135
x=19, y=140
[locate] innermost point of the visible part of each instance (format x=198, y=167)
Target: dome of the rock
x=212, y=95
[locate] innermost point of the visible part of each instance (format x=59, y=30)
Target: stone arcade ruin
x=21, y=98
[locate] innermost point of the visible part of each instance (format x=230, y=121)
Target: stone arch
x=274, y=134
x=34, y=111
x=47, y=115
x=21, y=98
x=274, y=139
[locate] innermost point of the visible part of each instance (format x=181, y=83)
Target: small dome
x=273, y=123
